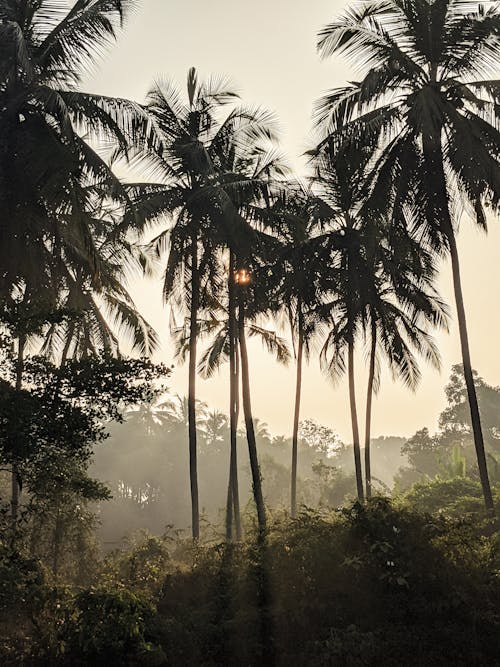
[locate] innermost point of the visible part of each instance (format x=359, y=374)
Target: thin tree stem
x=15, y=486
x=469, y=377
x=193, y=340
x=433, y=153
x=354, y=422
x=234, y=460
x=229, y=510
x=296, y=418
x=247, y=409
x=369, y=397
x=233, y=404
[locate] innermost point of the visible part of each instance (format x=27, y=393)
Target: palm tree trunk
x=193, y=339
x=247, y=410
x=296, y=416
x=369, y=396
x=468, y=375
x=236, y=415
x=15, y=486
x=354, y=422
x=433, y=153
x=233, y=408
x=229, y=509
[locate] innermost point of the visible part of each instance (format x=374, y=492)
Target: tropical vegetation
x=134, y=528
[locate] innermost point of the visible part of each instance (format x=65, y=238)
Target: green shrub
x=109, y=628
x=455, y=497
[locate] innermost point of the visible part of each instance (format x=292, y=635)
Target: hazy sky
x=267, y=48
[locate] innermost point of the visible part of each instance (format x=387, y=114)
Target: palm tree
x=152, y=417
x=346, y=317
x=252, y=170
x=215, y=427
x=297, y=271
x=382, y=287
x=51, y=178
x=176, y=409
x=186, y=130
x=242, y=278
x=200, y=156
x=216, y=326
x=339, y=177
x=429, y=115
x=233, y=493
x=48, y=172
x=400, y=304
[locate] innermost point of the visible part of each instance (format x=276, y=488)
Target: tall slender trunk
x=469, y=378
x=193, y=340
x=247, y=410
x=354, y=422
x=369, y=397
x=233, y=509
x=15, y=486
x=433, y=153
x=296, y=416
x=229, y=509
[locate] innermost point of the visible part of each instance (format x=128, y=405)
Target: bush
x=455, y=497
x=109, y=628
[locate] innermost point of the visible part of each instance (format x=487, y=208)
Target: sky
x=268, y=51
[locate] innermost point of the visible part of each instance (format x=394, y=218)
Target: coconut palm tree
x=50, y=174
x=48, y=170
x=429, y=114
x=382, y=287
x=296, y=270
x=186, y=129
x=176, y=409
x=252, y=180
x=344, y=305
x=152, y=417
x=100, y=313
x=202, y=151
x=242, y=279
x=215, y=428
x=216, y=328
x=339, y=179
x=402, y=309
x=193, y=141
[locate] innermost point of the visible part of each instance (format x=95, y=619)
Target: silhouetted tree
x=429, y=115
x=49, y=174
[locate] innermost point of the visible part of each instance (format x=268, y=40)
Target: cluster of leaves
x=449, y=453
x=48, y=431
x=69, y=406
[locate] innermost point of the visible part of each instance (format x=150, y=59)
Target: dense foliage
x=381, y=584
